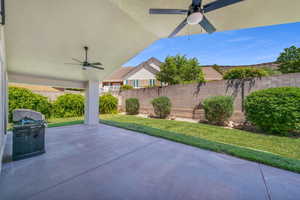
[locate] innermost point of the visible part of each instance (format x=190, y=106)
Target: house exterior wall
x=143, y=83
x=142, y=74
x=3, y=96
x=186, y=99
x=141, y=79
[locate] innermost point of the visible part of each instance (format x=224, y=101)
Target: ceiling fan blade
x=167, y=11
x=96, y=67
x=207, y=26
x=197, y=2
x=178, y=28
x=219, y=4
x=73, y=64
x=77, y=60
x=96, y=63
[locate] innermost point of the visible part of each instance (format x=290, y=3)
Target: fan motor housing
x=193, y=9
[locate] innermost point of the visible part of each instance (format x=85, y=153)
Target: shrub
x=271, y=72
x=21, y=98
x=132, y=106
x=290, y=67
x=274, y=110
x=150, y=86
x=238, y=77
x=244, y=73
x=162, y=107
x=218, y=109
x=69, y=105
x=126, y=87
x=108, y=104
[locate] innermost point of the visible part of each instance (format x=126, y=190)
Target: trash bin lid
x=20, y=114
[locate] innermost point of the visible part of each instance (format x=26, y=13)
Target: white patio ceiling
x=42, y=35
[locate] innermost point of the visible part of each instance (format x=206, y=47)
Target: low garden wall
x=186, y=99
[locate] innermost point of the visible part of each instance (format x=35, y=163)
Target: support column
x=91, y=103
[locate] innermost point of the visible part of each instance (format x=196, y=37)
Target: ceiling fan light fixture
x=195, y=18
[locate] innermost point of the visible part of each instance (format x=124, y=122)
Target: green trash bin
x=28, y=137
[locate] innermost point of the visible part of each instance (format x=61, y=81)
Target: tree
x=238, y=77
x=290, y=67
x=289, y=54
x=179, y=69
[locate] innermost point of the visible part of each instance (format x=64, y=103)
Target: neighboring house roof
x=36, y=88
x=211, y=74
x=148, y=65
x=152, y=65
x=119, y=74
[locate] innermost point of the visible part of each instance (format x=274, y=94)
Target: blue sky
x=239, y=47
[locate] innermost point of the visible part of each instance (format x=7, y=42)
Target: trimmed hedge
x=126, y=87
x=132, y=106
x=218, y=109
x=290, y=67
x=162, y=107
x=108, y=104
x=274, y=110
x=69, y=105
x=244, y=73
x=21, y=98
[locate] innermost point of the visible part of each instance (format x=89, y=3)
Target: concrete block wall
x=186, y=99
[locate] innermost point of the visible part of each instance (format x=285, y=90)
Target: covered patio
x=104, y=162
x=95, y=161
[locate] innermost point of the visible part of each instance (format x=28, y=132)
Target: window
x=135, y=83
x=126, y=82
x=152, y=82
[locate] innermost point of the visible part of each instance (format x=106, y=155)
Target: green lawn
x=61, y=120
x=282, y=152
x=277, y=151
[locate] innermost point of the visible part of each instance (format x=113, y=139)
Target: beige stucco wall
x=186, y=98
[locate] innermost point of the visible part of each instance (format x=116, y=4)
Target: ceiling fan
x=195, y=14
x=86, y=64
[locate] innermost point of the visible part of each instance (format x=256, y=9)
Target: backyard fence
x=186, y=99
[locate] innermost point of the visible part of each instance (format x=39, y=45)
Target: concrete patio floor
x=105, y=162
